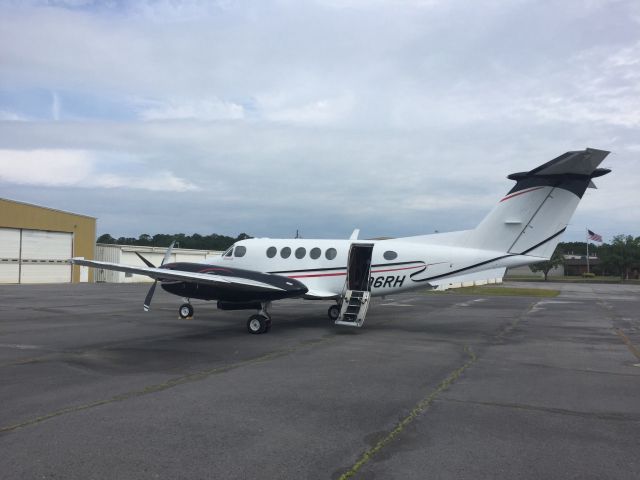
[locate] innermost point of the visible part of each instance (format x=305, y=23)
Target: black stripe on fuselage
x=435, y=277
x=342, y=268
x=544, y=241
x=448, y=274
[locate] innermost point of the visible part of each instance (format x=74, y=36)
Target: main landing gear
x=260, y=322
x=185, y=311
x=334, y=312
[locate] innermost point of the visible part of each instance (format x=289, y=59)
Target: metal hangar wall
x=126, y=254
x=36, y=242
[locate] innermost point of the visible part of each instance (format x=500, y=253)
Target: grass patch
x=498, y=290
x=572, y=279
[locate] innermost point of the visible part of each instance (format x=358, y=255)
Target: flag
x=594, y=236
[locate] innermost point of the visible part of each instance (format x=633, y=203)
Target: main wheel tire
x=185, y=311
x=333, y=312
x=257, y=324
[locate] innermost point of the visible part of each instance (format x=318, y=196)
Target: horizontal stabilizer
x=580, y=163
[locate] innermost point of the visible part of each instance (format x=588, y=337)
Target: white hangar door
x=9, y=255
x=44, y=256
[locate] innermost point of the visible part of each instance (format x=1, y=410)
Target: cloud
x=8, y=116
x=202, y=109
x=55, y=106
x=327, y=111
x=77, y=168
x=399, y=117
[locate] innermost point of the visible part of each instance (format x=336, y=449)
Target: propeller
x=167, y=256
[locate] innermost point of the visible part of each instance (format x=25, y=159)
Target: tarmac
x=433, y=386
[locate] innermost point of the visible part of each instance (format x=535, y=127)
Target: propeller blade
x=146, y=262
x=167, y=255
x=147, y=300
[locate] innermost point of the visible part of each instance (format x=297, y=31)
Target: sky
x=398, y=117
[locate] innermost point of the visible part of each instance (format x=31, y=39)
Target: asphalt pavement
x=433, y=386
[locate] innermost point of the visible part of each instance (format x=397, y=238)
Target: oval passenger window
x=271, y=252
x=390, y=255
x=285, y=252
x=300, y=252
x=315, y=253
x=330, y=253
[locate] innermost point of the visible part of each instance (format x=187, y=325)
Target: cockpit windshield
x=229, y=251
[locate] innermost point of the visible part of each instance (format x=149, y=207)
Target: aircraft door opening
x=359, y=267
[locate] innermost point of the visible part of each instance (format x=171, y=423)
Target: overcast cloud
x=396, y=117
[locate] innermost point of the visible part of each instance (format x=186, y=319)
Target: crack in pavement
x=420, y=407
x=431, y=397
x=622, y=417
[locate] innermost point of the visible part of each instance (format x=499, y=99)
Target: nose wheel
x=185, y=311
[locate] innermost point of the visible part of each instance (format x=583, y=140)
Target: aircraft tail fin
x=530, y=219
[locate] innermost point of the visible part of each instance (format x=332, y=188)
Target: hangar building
x=36, y=242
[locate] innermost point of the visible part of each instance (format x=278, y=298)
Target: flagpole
x=587, y=233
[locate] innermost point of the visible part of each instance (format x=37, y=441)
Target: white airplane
x=523, y=228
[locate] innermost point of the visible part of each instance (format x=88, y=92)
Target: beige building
x=36, y=242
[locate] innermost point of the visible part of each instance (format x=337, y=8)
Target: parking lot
x=433, y=386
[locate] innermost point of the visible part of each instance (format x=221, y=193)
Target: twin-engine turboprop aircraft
x=523, y=228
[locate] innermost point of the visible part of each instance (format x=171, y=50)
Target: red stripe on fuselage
x=520, y=193
x=344, y=273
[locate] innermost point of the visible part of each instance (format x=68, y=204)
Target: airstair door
x=358, y=288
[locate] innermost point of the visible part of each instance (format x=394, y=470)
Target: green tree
x=622, y=254
x=213, y=241
x=145, y=239
x=556, y=260
x=106, y=238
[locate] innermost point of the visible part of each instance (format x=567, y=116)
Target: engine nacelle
x=222, y=305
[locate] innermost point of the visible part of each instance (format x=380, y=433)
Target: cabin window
x=240, y=251
x=390, y=255
x=315, y=253
x=300, y=252
x=271, y=252
x=330, y=253
x=285, y=252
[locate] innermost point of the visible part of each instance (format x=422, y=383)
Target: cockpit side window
x=240, y=251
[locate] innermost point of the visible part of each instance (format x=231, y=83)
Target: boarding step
x=354, y=308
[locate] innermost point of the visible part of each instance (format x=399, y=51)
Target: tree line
x=195, y=241
x=620, y=258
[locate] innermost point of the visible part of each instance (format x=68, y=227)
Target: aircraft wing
x=314, y=294
x=177, y=275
